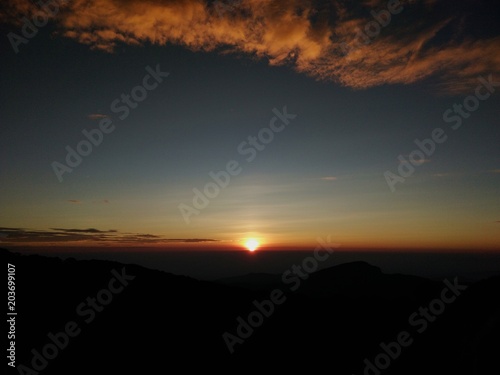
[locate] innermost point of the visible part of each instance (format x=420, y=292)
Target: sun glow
x=252, y=244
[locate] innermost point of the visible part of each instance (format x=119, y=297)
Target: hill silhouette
x=355, y=279
x=336, y=320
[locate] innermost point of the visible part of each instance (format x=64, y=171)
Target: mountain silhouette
x=253, y=281
x=337, y=320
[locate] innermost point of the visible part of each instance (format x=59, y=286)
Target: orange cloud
x=89, y=236
x=97, y=116
x=423, y=41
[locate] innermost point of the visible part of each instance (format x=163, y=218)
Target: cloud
x=420, y=162
x=445, y=42
x=97, y=116
x=329, y=178
x=89, y=236
x=194, y=240
x=494, y=171
x=90, y=230
x=443, y=174
x=417, y=162
x=77, y=201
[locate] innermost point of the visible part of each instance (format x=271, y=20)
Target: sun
x=252, y=244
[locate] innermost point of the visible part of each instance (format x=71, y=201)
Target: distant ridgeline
x=102, y=317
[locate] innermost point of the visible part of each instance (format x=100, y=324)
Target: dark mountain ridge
x=143, y=320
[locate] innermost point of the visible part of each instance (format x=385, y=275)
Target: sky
x=308, y=113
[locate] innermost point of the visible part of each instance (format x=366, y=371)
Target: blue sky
x=323, y=174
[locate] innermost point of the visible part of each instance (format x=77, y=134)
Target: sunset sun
x=252, y=244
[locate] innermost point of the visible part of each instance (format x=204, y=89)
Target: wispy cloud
x=97, y=116
x=90, y=230
x=193, y=240
x=443, y=174
x=417, y=162
x=428, y=39
x=88, y=236
x=329, y=178
x=77, y=201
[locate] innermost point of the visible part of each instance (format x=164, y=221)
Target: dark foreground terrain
x=101, y=317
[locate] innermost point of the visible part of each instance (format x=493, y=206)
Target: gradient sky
x=322, y=175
